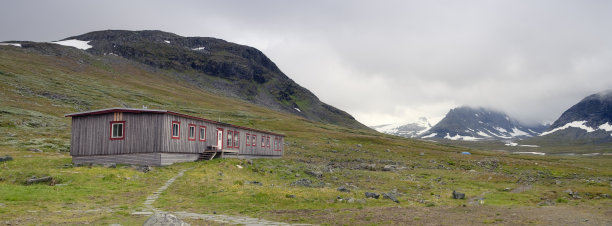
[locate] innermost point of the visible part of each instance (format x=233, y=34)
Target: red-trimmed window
x=276, y=144
x=268, y=141
x=192, y=132
x=117, y=130
x=202, y=133
x=230, y=138
x=263, y=141
x=175, y=130
x=248, y=140
x=254, y=140
x=236, y=139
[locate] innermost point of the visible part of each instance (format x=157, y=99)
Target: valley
x=322, y=178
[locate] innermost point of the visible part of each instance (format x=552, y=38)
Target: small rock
x=297, y=175
x=388, y=150
x=606, y=196
x=390, y=196
x=546, y=202
x=359, y=145
x=6, y=158
x=350, y=200
x=372, y=195
x=35, y=150
x=290, y=196
x=458, y=195
x=557, y=182
x=111, y=165
x=67, y=166
x=507, y=189
x=255, y=183
x=164, y=219
x=34, y=180
x=343, y=189
x=144, y=169
x=302, y=182
x=422, y=153
x=317, y=174
x=389, y=168
x=362, y=201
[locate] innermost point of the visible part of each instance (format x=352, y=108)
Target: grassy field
x=302, y=187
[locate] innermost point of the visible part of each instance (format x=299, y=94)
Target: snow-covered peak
x=410, y=129
x=10, y=44
x=84, y=45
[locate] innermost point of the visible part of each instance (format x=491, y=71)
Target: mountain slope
x=409, y=130
x=590, y=120
x=467, y=123
x=211, y=64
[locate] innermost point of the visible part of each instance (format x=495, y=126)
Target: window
x=202, y=133
x=192, y=132
x=176, y=130
x=236, y=139
x=268, y=142
x=263, y=141
x=276, y=144
x=230, y=135
x=117, y=130
x=248, y=139
x=254, y=141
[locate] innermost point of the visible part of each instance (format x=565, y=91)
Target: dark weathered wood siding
x=184, y=145
x=151, y=133
x=91, y=134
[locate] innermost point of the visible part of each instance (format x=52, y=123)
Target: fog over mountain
x=382, y=62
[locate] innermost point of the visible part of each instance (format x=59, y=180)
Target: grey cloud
x=382, y=61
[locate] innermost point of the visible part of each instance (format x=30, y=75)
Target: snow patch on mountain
x=606, y=126
x=84, y=45
x=574, y=124
x=459, y=137
x=10, y=44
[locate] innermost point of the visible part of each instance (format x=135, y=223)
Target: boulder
x=34, y=180
x=389, y=168
x=343, y=189
x=302, y=182
x=6, y=158
x=458, y=195
x=372, y=195
x=144, y=169
x=314, y=173
x=390, y=196
x=164, y=219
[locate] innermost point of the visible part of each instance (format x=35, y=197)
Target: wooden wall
x=151, y=133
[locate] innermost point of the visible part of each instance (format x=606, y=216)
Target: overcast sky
x=381, y=61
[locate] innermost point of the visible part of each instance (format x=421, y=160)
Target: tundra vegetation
x=322, y=178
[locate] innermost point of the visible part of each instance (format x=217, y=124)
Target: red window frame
x=122, y=130
x=268, y=142
x=248, y=139
x=230, y=139
x=200, y=133
x=263, y=141
x=178, y=136
x=189, y=137
x=236, y=139
x=254, y=139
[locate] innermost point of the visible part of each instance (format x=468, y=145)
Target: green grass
x=36, y=91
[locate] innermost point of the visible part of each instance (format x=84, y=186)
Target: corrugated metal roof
x=157, y=111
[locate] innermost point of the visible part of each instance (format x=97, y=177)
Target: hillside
x=40, y=82
x=209, y=64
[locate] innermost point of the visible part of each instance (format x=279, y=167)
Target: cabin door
x=219, y=139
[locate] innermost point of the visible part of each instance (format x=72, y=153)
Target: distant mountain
x=211, y=64
x=471, y=124
x=409, y=130
x=588, y=121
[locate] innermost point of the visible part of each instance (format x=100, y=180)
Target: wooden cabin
x=161, y=137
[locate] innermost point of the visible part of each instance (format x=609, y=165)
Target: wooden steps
x=207, y=155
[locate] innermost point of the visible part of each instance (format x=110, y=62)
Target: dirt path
x=220, y=218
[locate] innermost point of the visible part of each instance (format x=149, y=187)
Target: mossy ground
x=36, y=91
